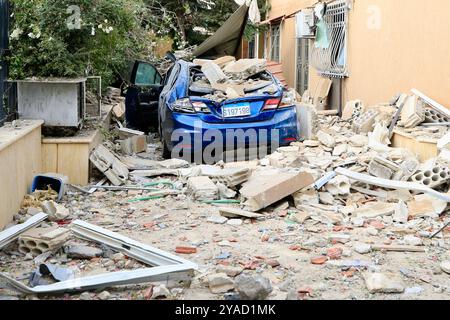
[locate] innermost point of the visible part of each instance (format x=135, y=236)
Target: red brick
x=186, y=250
x=319, y=260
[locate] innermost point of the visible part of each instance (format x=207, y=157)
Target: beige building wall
x=394, y=46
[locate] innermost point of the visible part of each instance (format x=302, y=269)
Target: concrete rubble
x=292, y=225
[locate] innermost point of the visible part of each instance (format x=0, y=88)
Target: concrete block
x=203, y=188
x=412, y=113
x=365, y=122
x=213, y=73
x=339, y=186
x=134, y=145
x=383, y=168
x=125, y=133
x=353, y=109
x=265, y=188
x=432, y=116
x=110, y=165
x=308, y=121
x=432, y=178
x=244, y=68
x=41, y=240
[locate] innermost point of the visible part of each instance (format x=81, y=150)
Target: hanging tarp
x=226, y=41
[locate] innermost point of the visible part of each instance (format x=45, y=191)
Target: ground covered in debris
x=261, y=229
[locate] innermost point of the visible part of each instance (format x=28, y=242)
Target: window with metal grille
x=332, y=60
x=275, y=35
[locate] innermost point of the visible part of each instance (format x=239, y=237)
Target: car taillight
x=271, y=104
x=201, y=107
x=288, y=99
x=183, y=105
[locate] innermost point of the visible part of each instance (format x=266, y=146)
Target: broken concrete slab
x=229, y=176
x=412, y=113
x=213, y=73
x=340, y=185
x=220, y=283
x=326, y=139
x=125, y=133
x=82, y=252
x=225, y=192
x=265, y=188
x=365, y=122
x=110, y=165
x=383, y=168
x=445, y=266
x=134, y=145
x=307, y=115
x=253, y=287
x=376, y=209
x=305, y=197
x=401, y=213
x=238, y=213
x=203, y=189
x=244, y=68
x=383, y=283
x=55, y=211
x=217, y=219
x=426, y=206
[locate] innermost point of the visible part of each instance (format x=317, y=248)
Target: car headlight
x=288, y=99
x=183, y=105
x=201, y=107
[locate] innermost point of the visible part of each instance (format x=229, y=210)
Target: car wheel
x=166, y=152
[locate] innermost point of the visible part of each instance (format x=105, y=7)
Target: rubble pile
x=340, y=215
x=226, y=79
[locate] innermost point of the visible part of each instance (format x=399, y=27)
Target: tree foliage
x=49, y=40
x=190, y=21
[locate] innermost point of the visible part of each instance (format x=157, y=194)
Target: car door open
x=142, y=96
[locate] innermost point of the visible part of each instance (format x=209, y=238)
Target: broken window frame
x=275, y=42
x=165, y=266
x=333, y=61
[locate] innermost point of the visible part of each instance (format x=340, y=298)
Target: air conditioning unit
x=305, y=23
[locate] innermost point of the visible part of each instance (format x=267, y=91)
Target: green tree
x=186, y=20
x=74, y=38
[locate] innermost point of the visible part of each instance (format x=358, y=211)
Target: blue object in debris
x=54, y=181
x=223, y=256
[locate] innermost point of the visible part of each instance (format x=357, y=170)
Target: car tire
x=166, y=152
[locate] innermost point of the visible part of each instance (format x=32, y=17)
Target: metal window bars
x=332, y=61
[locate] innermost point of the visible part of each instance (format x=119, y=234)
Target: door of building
x=302, y=65
x=4, y=33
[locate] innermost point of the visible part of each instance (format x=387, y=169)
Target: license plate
x=237, y=111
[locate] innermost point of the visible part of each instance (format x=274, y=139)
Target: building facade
x=372, y=50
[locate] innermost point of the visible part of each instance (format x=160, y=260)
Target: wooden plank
x=49, y=158
x=73, y=161
x=398, y=248
x=424, y=150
